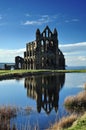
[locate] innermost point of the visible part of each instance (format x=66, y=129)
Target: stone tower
x=44, y=53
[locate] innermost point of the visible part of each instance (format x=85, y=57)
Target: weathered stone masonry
x=43, y=53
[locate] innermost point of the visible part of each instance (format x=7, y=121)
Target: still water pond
x=44, y=94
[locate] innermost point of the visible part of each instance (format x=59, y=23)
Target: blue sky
x=19, y=20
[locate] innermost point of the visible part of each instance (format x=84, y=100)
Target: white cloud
x=82, y=58
x=9, y=55
x=45, y=16
x=39, y=22
x=71, y=20
x=38, y=19
x=75, y=54
x=42, y=20
x=73, y=48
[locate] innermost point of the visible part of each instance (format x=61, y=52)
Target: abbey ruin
x=43, y=53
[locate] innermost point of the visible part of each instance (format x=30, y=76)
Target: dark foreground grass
x=9, y=112
x=76, y=103
x=6, y=113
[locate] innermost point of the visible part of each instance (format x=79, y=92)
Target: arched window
x=49, y=34
x=42, y=46
x=51, y=43
x=42, y=42
x=46, y=33
x=47, y=42
x=42, y=62
x=47, y=45
x=19, y=65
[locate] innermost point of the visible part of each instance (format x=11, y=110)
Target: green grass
x=73, y=104
x=71, y=122
x=70, y=71
x=9, y=74
x=80, y=124
x=32, y=71
x=78, y=104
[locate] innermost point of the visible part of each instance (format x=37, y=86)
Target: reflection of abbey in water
x=45, y=90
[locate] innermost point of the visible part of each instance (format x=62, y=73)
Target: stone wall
x=43, y=53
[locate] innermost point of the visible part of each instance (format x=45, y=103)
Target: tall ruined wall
x=43, y=53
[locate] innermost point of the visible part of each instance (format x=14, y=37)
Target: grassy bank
x=2, y=72
x=72, y=122
x=79, y=124
x=77, y=105
x=41, y=70
x=8, y=74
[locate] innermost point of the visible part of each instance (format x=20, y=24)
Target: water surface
x=44, y=94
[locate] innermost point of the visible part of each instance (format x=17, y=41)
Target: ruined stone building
x=44, y=53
